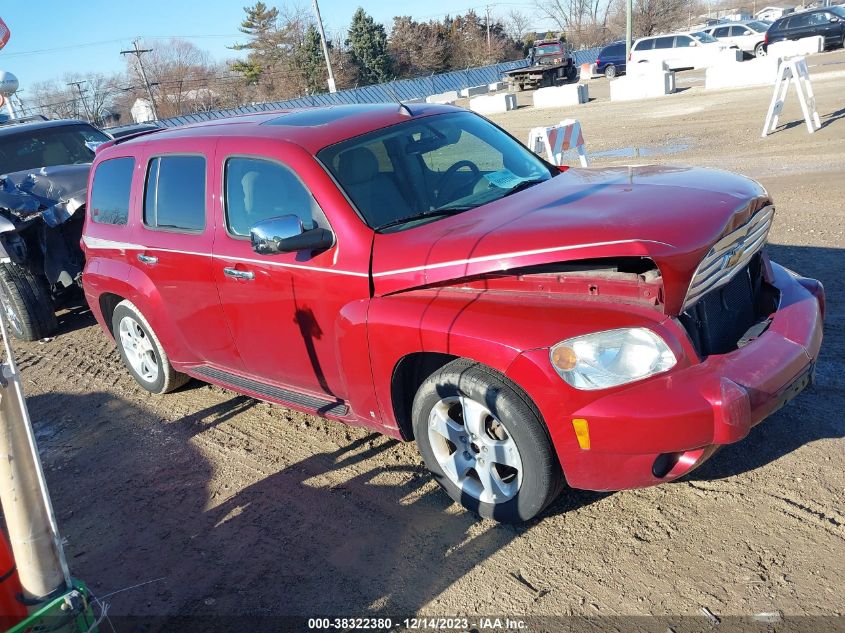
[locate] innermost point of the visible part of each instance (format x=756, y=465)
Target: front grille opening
x=718, y=321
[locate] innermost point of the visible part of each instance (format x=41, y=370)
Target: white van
x=678, y=50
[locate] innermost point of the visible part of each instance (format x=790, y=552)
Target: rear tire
x=610, y=71
x=27, y=303
x=141, y=351
x=499, y=462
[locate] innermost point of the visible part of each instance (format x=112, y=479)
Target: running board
x=320, y=405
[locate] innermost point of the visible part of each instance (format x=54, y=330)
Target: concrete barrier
x=473, y=91
x=560, y=96
x=643, y=86
x=493, y=104
x=444, y=97
x=496, y=86
x=760, y=71
x=793, y=48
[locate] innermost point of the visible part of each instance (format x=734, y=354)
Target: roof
x=11, y=127
x=311, y=128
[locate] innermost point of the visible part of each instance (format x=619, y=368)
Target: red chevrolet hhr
x=417, y=270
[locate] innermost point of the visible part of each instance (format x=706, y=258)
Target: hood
x=53, y=192
x=672, y=215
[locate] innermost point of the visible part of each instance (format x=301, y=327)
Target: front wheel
x=759, y=50
x=484, y=442
x=27, y=303
x=142, y=352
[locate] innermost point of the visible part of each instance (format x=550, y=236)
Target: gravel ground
x=233, y=506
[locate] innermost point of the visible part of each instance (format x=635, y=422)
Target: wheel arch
x=409, y=373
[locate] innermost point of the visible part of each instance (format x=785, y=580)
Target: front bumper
x=661, y=428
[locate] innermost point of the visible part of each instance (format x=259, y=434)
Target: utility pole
x=628, y=29
x=138, y=52
x=332, y=86
x=78, y=85
x=487, y=20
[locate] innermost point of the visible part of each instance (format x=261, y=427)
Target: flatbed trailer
x=540, y=76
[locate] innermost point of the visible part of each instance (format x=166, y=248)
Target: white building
x=772, y=13
x=142, y=111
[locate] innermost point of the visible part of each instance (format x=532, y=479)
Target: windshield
x=760, y=27
x=703, y=37
x=838, y=10
x=48, y=147
x=431, y=167
x=550, y=49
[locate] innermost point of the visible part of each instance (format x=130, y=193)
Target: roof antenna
x=404, y=106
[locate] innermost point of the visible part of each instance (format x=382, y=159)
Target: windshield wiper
x=524, y=185
x=435, y=213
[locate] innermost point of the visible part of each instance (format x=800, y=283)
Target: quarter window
x=257, y=189
x=644, y=45
x=175, y=193
x=110, y=191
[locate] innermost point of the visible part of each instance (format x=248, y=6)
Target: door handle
x=147, y=259
x=239, y=274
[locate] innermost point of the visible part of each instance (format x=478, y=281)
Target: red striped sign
x=4, y=33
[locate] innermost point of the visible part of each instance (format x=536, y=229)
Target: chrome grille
x=730, y=255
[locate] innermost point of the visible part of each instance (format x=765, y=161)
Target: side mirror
x=285, y=234
x=834, y=19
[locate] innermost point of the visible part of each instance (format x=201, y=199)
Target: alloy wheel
x=474, y=449
x=138, y=349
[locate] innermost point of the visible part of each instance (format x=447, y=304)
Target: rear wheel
x=484, y=442
x=27, y=303
x=610, y=71
x=142, y=352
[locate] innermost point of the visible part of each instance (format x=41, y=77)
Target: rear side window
x=664, y=42
x=722, y=31
x=110, y=191
x=174, y=198
x=258, y=189
x=799, y=21
x=617, y=50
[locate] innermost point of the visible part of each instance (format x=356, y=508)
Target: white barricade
x=560, y=96
x=493, y=104
x=795, y=71
x=759, y=71
x=444, y=97
x=804, y=46
x=496, y=86
x=554, y=141
x=642, y=86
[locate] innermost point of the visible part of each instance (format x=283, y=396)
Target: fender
x=494, y=328
x=129, y=282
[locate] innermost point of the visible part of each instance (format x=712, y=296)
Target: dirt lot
x=232, y=506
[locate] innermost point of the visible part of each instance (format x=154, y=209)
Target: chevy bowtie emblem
x=734, y=255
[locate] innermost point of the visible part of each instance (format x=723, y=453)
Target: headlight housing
x=610, y=358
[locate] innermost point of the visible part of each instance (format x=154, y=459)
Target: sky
x=52, y=37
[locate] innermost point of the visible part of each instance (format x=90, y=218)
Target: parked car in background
x=828, y=22
x=749, y=37
x=611, y=60
x=43, y=179
x=418, y=271
x=678, y=51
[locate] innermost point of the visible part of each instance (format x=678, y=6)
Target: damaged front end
x=41, y=222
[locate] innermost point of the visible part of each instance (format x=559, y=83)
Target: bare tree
x=583, y=22
x=517, y=25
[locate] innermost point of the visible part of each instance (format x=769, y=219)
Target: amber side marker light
x=564, y=358
x=582, y=432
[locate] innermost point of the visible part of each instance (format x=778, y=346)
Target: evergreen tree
x=367, y=44
x=260, y=25
x=310, y=62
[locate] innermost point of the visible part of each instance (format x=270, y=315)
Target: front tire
x=759, y=50
x=27, y=303
x=484, y=442
x=142, y=352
